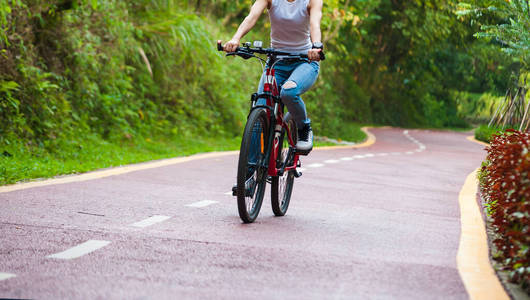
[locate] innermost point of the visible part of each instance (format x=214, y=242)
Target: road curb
x=370, y=140
x=102, y=173
x=473, y=139
x=473, y=263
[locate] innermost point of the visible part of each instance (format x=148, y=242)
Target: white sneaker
x=304, y=145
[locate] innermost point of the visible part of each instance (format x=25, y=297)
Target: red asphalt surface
x=378, y=227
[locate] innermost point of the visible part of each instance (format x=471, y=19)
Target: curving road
x=381, y=222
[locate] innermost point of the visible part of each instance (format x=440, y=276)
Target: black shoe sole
x=304, y=152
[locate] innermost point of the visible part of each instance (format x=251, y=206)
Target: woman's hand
x=314, y=54
x=231, y=45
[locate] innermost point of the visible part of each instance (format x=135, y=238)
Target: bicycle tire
x=282, y=186
x=249, y=201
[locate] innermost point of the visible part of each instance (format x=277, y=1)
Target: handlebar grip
x=219, y=46
x=322, y=55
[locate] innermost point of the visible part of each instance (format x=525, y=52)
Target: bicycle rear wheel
x=251, y=173
x=282, y=186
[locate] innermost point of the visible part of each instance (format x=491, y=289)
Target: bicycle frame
x=275, y=115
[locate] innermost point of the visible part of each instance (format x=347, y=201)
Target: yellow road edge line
x=472, y=138
x=472, y=259
x=112, y=171
x=370, y=140
x=97, y=174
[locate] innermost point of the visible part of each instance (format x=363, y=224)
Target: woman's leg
x=300, y=80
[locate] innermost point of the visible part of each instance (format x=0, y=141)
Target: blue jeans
x=303, y=74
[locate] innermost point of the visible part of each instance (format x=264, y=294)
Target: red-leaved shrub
x=505, y=182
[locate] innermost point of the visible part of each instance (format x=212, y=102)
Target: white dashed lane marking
x=331, y=161
x=315, y=165
x=201, y=203
x=150, y=221
x=80, y=250
x=4, y=276
x=421, y=147
x=228, y=193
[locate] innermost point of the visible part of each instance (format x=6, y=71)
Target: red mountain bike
x=268, y=152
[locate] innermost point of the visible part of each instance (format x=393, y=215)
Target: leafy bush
x=116, y=69
x=485, y=133
x=505, y=182
x=476, y=107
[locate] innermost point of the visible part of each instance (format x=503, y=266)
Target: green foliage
x=130, y=70
x=476, y=108
x=121, y=71
x=507, y=23
x=485, y=133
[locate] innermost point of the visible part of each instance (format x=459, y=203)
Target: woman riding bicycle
x=295, y=28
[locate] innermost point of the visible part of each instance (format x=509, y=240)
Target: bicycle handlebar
x=248, y=52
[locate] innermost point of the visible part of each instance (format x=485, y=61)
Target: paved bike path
x=381, y=222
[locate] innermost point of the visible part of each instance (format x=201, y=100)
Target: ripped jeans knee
x=289, y=92
x=290, y=95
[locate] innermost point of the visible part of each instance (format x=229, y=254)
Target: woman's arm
x=315, y=16
x=247, y=24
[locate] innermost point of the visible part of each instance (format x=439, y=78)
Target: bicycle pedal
x=303, y=152
x=297, y=174
x=234, y=190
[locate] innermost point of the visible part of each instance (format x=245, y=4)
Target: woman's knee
x=289, y=91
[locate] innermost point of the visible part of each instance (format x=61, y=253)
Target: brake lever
x=243, y=54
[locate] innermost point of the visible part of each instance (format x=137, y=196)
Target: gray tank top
x=290, y=26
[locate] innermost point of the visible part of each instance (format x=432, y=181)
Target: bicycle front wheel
x=282, y=186
x=251, y=171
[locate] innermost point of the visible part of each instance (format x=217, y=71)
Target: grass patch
x=19, y=162
x=485, y=133
x=350, y=132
